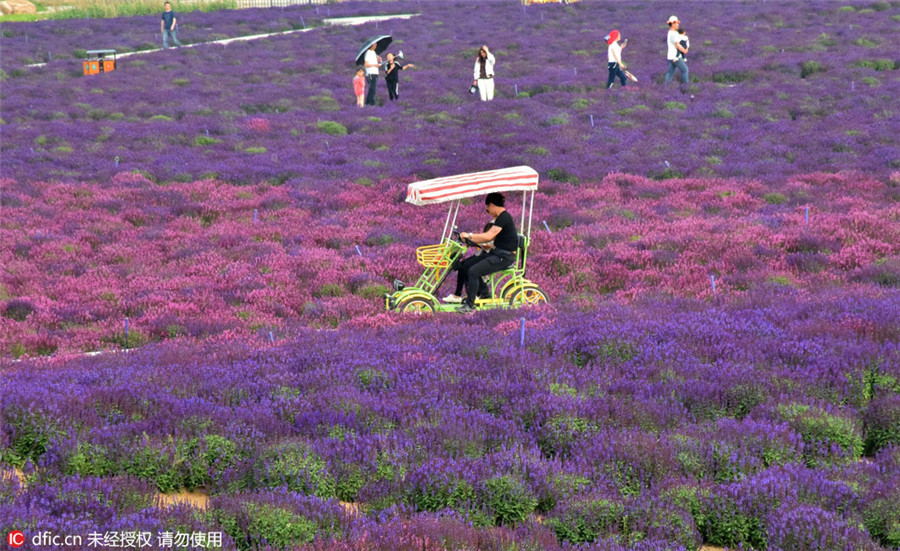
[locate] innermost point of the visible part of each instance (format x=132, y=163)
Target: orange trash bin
x=98, y=61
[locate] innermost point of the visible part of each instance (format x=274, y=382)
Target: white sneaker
x=453, y=299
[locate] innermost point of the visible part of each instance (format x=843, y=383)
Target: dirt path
x=340, y=21
x=198, y=500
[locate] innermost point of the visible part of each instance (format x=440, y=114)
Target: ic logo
x=16, y=539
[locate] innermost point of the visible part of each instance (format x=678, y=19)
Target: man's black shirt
x=507, y=239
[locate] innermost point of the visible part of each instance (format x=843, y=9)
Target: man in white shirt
x=673, y=47
x=371, y=62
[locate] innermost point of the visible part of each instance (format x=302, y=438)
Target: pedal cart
x=509, y=288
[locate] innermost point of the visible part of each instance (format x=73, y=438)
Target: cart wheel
x=527, y=296
x=508, y=290
x=416, y=306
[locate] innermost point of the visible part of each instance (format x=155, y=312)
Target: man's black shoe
x=465, y=309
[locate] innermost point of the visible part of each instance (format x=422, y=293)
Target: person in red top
x=359, y=88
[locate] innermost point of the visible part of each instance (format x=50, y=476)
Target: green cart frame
x=508, y=288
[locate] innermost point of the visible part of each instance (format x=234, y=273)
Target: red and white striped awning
x=450, y=188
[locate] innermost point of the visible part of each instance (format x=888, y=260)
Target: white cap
x=672, y=19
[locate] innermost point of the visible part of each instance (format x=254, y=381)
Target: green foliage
x=380, y=240
x=294, y=465
x=819, y=428
x=536, y=150
x=181, y=81
x=330, y=290
x=508, y=499
x=866, y=43
x=440, y=116
x=264, y=525
x=581, y=103
x=720, y=524
x=561, y=432
x=775, y=198
x=881, y=64
x=846, y=8
x=326, y=103
x=206, y=140
x=560, y=174
x=255, y=150
x=560, y=487
x=608, y=351
x=562, y=389
x=372, y=379
x=450, y=99
x=882, y=519
x=871, y=81
x=30, y=436
x=349, y=483
x=332, y=128
x=870, y=383
x=160, y=118
x=453, y=494
x=675, y=106
x=558, y=120
x=731, y=77
x=91, y=460
x=586, y=520
x=809, y=68
x=372, y=291
x=882, y=427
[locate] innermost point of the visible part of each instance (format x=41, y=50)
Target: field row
x=203, y=259
x=674, y=421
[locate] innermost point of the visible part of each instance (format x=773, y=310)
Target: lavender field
x=195, y=250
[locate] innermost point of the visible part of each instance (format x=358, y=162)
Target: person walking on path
x=167, y=26
x=484, y=74
x=371, y=62
x=673, y=48
x=614, y=58
x=392, y=75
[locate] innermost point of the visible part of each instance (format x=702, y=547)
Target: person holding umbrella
x=484, y=74
x=368, y=57
x=372, y=63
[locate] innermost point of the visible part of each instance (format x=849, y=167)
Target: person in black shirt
x=506, y=241
x=392, y=75
x=461, y=267
x=167, y=26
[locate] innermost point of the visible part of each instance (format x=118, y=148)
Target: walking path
x=225, y=41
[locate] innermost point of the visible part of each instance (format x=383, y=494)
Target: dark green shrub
x=508, y=499
x=820, y=429
x=293, y=465
x=332, y=128
x=453, y=494
x=29, y=436
x=882, y=424
x=560, y=433
x=882, y=519
x=808, y=68
x=586, y=519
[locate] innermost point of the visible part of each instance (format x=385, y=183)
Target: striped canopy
x=450, y=188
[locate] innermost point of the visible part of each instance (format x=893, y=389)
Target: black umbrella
x=381, y=41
